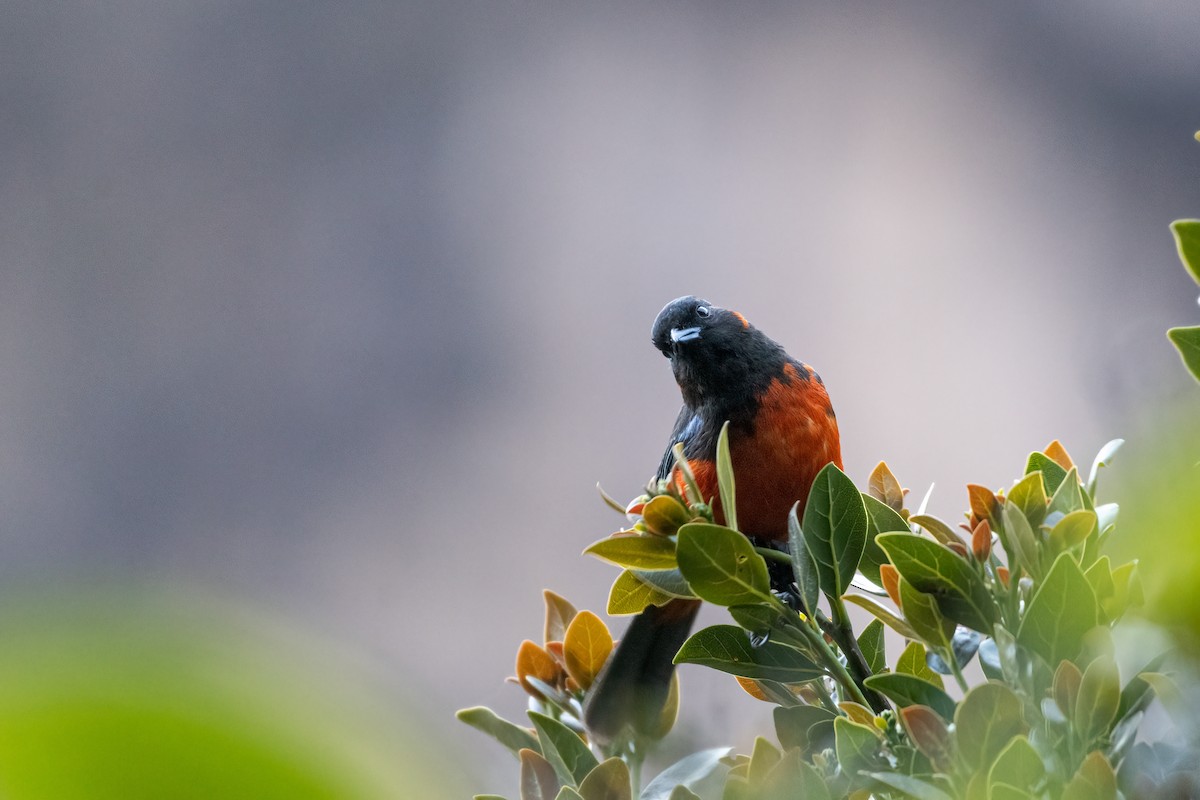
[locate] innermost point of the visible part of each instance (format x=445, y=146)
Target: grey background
x=343, y=308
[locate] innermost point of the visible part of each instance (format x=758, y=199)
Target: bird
x=782, y=432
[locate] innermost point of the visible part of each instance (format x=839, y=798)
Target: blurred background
x=325, y=318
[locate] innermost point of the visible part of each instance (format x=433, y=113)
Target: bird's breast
x=792, y=435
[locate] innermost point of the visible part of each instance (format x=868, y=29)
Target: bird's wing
x=687, y=424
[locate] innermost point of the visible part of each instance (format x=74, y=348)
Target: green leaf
x=936, y=570
x=608, y=781
x=1099, y=698
x=562, y=747
x=646, y=551
x=631, y=595
x=835, y=529
x=803, y=727
x=881, y=518
x=1072, y=529
x=1095, y=780
x=1187, y=242
x=760, y=618
x=1018, y=765
x=882, y=613
x=568, y=793
x=913, y=787
x=1002, y=791
x=922, y=613
x=509, y=734
x=987, y=719
x=664, y=515
x=1099, y=577
x=1103, y=459
x=1169, y=695
x=1062, y=610
x=666, y=581
x=1187, y=342
x=683, y=793
x=1127, y=589
x=1068, y=496
x=912, y=662
x=870, y=643
x=728, y=649
x=725, y=485
x=721, y=566
x=936, y=528
x=696, y=773
x=793, y=777
x=1052, y=473
x=762, y=759
x=857, y=746
x=1029, y=494
x=1138, y=693
x=803, y=565
x=907, y=690
x=1020, y=543
x=1008, y=655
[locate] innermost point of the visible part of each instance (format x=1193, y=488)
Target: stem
x=957, y=670
x=835, y=666
x=774, y=555
x=635, y=770
x=843, y=633
x=823, y=693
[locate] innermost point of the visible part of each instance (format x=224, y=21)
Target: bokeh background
x=333, y=314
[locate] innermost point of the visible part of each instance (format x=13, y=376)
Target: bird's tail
x=633, y=687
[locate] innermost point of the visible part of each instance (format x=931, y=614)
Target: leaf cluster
x=1020, y=586
x=1187, y=339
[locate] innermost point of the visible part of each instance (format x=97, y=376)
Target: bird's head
x=713, y=350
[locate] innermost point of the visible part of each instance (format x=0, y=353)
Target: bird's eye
x=703, y=311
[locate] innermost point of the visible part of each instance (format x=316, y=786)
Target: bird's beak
x=684, y=334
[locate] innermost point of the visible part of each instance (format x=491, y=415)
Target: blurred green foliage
x=124, y=695
x=1160, y=521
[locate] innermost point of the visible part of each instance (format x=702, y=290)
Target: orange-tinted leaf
x=538, y=781
x=559, y=613
x=891, y=582
x=1002, y=574
x=1058, y=454
x=929, y=733
x=634, y=509
x=586, y=647
x=983, y=501
x=1066, y=687
x=859, y=713
x=534, y=661
x=751, y=687
x=981, y=541
x=555, y=649
x=884, y=487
